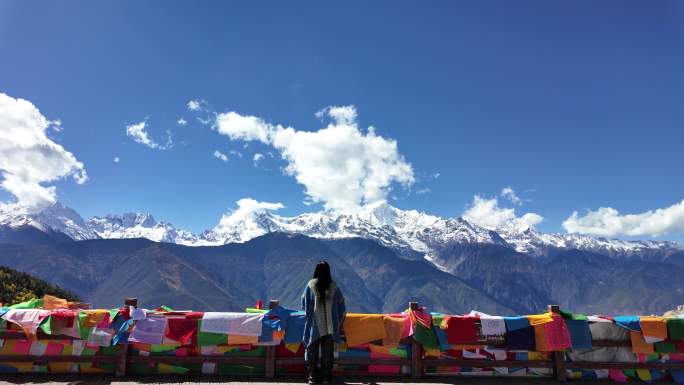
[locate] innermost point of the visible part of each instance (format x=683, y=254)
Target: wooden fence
x=417, y=362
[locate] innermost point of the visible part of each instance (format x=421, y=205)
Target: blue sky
x=575, y=105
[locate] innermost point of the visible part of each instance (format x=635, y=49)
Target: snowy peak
x=240, y=226
x=410, y=232
x=380, y=213
x=123, y=221
x=57, y=218
x=139, y=225
x=527, y=240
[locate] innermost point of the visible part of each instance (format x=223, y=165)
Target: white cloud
x=608, y=222
x=28, y=158
x=197, y=105
x=244, y=127
x=339, y=165
x=509, y=193
x=116, y=159
x=246, y=207
x=55, y=125
x=219, y=155
x=436, y=175
x=236, y=153
x=531, y=219
x=487, y=213
x=139, y=134
x=181, y=121
x=423, y=191
x=257, y=158
x=339, y=114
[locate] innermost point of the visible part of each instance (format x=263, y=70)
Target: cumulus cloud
x=245, y=127
x=219, y=155
x=509, y=193
x=339, y=165
x=28, y=158
x=245, y=208
x=257, y=158
x=116, y=159
x=487, y=213
x=608, y=222
x=138, y=132
x=181, y=121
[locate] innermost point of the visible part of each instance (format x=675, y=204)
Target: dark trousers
x=320, y=358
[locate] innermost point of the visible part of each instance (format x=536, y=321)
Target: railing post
x=122, y=350
x=270, y=363
x=558, y=357
x=416, y=351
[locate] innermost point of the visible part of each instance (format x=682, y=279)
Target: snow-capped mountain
x=137, y=225
x=412, y=233
x=57, y=218
x=527, y=240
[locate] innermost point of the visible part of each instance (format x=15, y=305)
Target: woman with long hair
x=325, y=311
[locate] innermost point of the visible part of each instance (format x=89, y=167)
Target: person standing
x=325, y=310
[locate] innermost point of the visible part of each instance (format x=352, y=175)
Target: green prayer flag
x=572, y=316
x=162, y=348
x=257, y=351
x=82, y=329
x=176, y=369
x=437, y=320
x=208, y=339
x=45, y=326
x=108, y=350
x=665, y=347
x=88, y=352
x=253, y=310
x=675, y=328
x=30, y=304
x=425, y=337
x=398, y=352
x=631, y=373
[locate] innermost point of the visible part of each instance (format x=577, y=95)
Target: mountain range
x=412, y=233
x=382, y=256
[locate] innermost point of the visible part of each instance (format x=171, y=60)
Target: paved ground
x=208, y=380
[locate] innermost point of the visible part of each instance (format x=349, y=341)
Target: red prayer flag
x=461, y=330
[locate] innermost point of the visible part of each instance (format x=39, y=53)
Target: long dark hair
x=322, y=274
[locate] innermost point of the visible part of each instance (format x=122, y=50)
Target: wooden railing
x=417, y=362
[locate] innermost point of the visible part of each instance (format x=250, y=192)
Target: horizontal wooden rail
x=373, y=361
x=487, y=363
x=624, y=365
